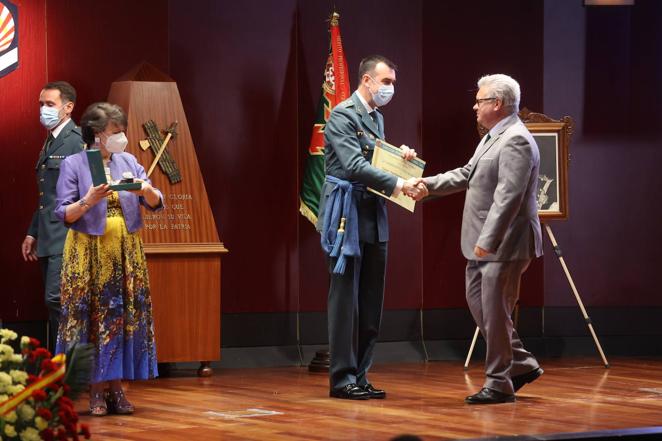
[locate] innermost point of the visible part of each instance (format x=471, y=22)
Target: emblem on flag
x=8, y=37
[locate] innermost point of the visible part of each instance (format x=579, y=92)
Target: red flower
x=32, y=378
x=65, y=402
x=39, y=395
x=47, y=435
x=48, y=366
x=85, y=431
x=34, y=342
x=61, y=435
x=42, y=352
x=45, y=413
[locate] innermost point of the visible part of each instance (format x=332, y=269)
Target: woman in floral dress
x=105, y=285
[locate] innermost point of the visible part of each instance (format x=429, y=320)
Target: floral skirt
x=105, y=301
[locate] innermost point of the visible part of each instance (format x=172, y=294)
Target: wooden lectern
x=181, y=242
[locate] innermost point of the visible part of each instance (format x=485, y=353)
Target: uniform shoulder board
x=347, y=103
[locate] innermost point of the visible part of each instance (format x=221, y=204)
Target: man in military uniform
x=356, y=240
x=45, y=239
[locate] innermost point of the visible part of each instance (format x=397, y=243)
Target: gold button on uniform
x=41, y=193
x=41, y=207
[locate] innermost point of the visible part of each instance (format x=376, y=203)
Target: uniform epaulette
x=347, y=103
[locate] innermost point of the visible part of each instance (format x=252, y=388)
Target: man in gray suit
x=354, y=228
x=500, y=232
x=45, y=239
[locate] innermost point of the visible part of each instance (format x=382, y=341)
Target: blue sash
x=340, y=227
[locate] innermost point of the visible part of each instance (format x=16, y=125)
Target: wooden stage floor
x=574, y=395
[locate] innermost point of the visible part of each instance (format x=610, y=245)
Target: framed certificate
x=388, y=157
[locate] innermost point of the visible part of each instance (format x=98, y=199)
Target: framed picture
x=553, y=139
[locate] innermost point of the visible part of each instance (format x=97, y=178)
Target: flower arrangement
x=36, y=390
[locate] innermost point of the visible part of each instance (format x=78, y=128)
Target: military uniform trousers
x=355, y=311
x=50, y=271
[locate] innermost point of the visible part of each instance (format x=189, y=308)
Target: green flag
x=335, y=89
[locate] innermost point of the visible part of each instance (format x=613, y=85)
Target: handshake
x=415, y=188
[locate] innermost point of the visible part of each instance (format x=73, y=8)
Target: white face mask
x=116, y=143
x=49, y=117
x=383, y=95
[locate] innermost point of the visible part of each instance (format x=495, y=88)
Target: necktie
x=49, y=142
x=373, y=115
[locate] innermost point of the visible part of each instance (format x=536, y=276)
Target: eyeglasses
x=484, y=100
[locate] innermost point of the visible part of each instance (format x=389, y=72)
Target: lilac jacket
x=75, y=180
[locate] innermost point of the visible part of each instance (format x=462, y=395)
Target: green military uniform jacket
x=50, y=232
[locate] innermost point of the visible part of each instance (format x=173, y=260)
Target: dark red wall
x=21, y=138
x=236, y=69
x=610, y=242
x=91, y=44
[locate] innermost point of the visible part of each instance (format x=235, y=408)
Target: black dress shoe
x=489, y=396
x=350, y=392
x=374, y=393
x=520, y=380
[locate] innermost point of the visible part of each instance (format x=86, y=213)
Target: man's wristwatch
x=83, y=203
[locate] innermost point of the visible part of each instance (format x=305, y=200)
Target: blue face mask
x=383, y=94
x=49, y=117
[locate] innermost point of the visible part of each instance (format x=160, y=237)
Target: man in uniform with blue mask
x=45, y=239
x=354, y=228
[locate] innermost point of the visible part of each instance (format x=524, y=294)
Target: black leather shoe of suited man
x=520, y=380
x=489, y=396
x=374, y=393
x=349, y=392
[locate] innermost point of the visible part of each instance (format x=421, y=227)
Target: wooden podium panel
x=181, y=242
x=185, y=329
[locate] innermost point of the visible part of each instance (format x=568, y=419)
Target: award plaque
x=99, y=173
x=388, y=157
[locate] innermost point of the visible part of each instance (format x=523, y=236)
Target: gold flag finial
x=335, y=17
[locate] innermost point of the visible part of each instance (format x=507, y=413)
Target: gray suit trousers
x=492, y=292
x=355, y=313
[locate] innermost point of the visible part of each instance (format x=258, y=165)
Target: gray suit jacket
x=45, y=227
x=500, y=210
x=349, y=141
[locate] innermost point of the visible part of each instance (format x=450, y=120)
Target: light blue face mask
x=49, y=117
x=383, y=94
